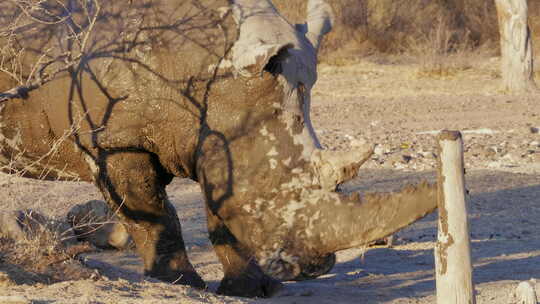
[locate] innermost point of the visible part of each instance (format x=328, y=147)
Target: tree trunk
x=516, y=46
x=452, y=251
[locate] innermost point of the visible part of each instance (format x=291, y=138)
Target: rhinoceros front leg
x=134, y=184
x=242, y=275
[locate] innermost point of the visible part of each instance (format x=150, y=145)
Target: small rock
x=395, y=158
x=510, y=157
x=495, y=149
x=406, y=158
x=534, y=157
x=387, y=165
x=525, y=293
x=379, y=150
x=494, y=165
x=399, y=166
x=489, y=152
x=534, y=130
x=94, y=222
x=357, y=142
x=534, y=143
x=426, y=154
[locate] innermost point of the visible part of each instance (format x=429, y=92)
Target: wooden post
x=516, y=46
x=452, y=251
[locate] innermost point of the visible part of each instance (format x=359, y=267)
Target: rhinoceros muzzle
x=289, y=268
x=317, y=268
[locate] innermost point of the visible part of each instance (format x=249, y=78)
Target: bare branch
x=41, y=39
x=42, y=78
x=34, y=15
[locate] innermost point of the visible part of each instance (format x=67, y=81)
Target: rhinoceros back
x=139, y=62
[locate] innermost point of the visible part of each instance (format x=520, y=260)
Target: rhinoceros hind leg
x=243, y=276
x=134, y=184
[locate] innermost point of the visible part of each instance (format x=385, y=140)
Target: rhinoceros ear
x=251, y=59
x=263, y=35
x=319, y=21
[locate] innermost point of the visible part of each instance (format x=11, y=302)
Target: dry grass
x=443, y=52
x=36, y=261
x=46, y=253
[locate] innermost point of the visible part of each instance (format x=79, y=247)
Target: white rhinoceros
x=212, y=90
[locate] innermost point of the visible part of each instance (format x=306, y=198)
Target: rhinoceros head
x=270, y=189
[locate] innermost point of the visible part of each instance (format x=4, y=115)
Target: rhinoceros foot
x=250, y=285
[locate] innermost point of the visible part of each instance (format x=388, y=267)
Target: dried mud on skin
x=384, y=102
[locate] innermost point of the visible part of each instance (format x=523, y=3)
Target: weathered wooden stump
x=452, y=251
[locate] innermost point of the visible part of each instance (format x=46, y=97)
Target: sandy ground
x=387, y=103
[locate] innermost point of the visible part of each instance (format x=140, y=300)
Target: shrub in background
x=389, y=26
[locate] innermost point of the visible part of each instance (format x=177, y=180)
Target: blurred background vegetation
x=415, y=27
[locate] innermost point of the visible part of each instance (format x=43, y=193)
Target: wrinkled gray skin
x=217, y=92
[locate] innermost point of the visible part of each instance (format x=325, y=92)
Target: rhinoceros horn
x=319, y=21
x=333, y=168
x=316, y=224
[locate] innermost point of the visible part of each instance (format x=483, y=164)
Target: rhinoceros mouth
x=286, y=268
x=313, y=270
